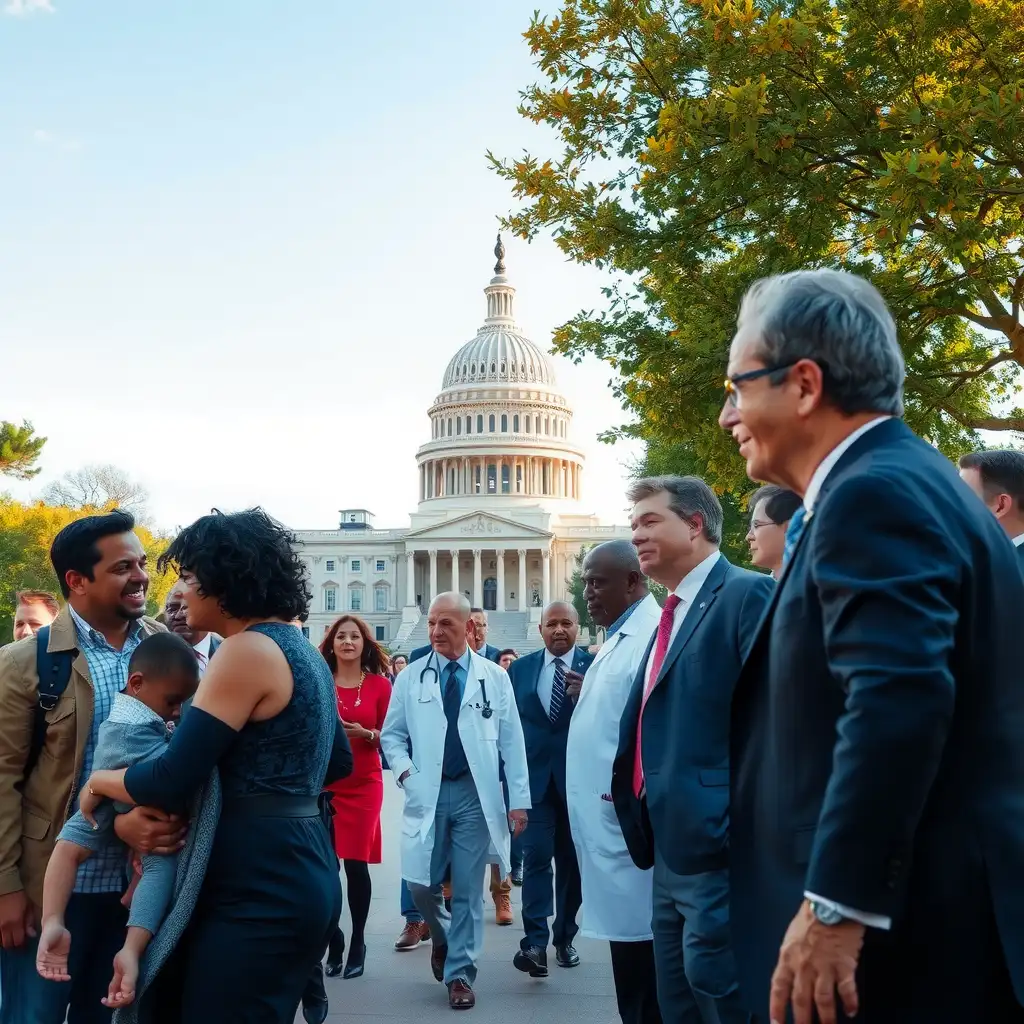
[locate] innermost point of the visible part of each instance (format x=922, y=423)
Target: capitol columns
x=410, y=579
x=546, y=578
x=523, y=603
x=478, y=579
x=433, y=574
x=455, y=572
x=499, y=605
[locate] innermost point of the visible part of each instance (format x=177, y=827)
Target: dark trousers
x=97, y=923
x=697, y=978
x=548, y=838
x=636, y=983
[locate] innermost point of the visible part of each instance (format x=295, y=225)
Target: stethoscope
x=429, y=672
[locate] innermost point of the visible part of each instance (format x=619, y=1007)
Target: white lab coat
x=616, y=893
x=416, y=713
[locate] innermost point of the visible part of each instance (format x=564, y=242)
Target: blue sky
x=239, y=242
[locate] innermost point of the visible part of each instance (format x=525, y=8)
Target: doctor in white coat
x=616, y=893
x=452, y=717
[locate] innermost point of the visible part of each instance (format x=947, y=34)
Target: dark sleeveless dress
x=271, y=896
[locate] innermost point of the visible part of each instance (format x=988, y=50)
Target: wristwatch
x=826, y=915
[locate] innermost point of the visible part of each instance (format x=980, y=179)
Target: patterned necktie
x=668, y=614
x=793, y=532
x=557, y=691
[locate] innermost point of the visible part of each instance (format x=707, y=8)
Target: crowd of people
x=794, y=793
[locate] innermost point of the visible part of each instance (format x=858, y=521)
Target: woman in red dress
x=360, y=667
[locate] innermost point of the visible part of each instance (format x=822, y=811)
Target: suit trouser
x=461, y=839
x=636, y=985
x=549, y=837
x=97, y=923
x=697, y=978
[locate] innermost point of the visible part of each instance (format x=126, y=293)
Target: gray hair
x=841, y=322
x=687, y=496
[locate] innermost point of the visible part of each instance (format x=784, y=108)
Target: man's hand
x=573, y=685
x=17, y=919
x=517, y=820
x=814, y=961
x=149, y=830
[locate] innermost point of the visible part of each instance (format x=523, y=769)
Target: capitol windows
x=381, y=565
x=479, y=424
x=527, y=424
x=506, y=479
x=449, y=427
x=380, y=599
x=329, y=565
x=515, y=424
x=490, y=423
x=492, y=478
x=504, y=423
x=356, y=565
x=469, y=424
x=330, y=599
x=458, y=425
x=355, y=597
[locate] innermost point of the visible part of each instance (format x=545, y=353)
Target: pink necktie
x=658, y=658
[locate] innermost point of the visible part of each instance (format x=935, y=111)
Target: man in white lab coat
x=451, y=721
x=616, y=893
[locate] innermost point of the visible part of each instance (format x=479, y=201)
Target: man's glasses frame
x=732, y=394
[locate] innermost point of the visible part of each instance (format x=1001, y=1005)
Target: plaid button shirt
x=104, y=871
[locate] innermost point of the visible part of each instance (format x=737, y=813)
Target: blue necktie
x=557, y=692
x=454, y=763
x=793, y=532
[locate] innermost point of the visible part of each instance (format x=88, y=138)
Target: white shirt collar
x=203, y=647
x=828, y=463
x=1018, y=540
x=689, y=588
x=565, y=659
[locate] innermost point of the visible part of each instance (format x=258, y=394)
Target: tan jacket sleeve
x=17, y=710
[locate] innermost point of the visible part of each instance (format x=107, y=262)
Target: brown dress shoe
x=460, y=995
x=438, y=955
x=412, y=935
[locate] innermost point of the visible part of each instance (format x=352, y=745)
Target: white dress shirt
x=202, y=650
x=546, y=681
x=810, y=497
x=687, y=592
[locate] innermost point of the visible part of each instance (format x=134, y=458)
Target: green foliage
x=26, y=532
x=19, y=450
x=703, y=145
x=575, y=585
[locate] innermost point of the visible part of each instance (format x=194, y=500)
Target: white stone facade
x=499, y=515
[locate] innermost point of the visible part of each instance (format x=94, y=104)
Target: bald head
x=559, y=625
x=448, y=625
x=612, y=581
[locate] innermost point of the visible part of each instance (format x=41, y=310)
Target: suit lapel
x=694, y=616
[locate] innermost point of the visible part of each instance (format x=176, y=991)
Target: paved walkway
x=400, y=987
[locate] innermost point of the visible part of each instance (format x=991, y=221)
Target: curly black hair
x=246, y=561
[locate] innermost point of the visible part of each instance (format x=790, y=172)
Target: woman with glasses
x=771, y=509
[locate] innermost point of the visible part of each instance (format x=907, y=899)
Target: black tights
x=357, y=875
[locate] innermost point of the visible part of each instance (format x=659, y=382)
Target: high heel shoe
x=335, y=954
x=356, y=961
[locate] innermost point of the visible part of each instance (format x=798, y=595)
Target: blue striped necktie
x=557, y=691
x=793, y=532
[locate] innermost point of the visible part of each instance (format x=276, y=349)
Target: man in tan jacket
x=101, y=566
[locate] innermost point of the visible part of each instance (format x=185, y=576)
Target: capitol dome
x=500, y=426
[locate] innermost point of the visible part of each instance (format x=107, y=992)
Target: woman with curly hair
x=359, y=665
x=247, y=935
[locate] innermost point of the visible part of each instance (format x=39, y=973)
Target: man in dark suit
x=997, y=477
x=878, y=782
x=670, y=780
x=540, y=680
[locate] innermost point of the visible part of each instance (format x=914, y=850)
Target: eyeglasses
x=732, y=395
x=757, y=524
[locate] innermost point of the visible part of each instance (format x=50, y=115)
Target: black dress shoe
x=566, y=956
x=532, y=961
x=517, y=875
x=314, y=998
x=438, y=955
x=356, y=961
x=335, y=954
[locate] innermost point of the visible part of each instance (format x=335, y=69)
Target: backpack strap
x=53, y=670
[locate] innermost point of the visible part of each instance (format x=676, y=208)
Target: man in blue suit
x=545, y=710
x=670, y=779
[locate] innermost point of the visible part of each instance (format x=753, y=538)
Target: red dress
x=359, y=798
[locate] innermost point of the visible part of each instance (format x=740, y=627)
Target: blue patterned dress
x=270, y=896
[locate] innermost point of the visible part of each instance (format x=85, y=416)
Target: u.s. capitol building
x=500, y=515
